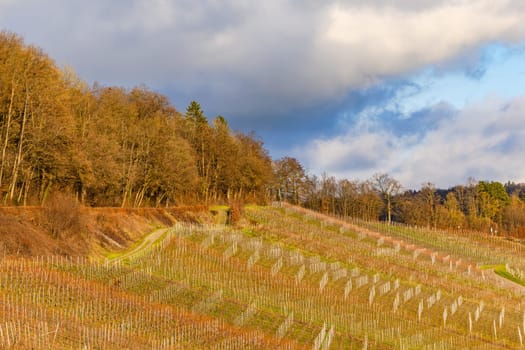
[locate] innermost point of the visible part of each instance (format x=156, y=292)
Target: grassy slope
x=501, y=270
x=286, y=274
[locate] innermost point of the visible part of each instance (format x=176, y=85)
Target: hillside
x=110, y=146
x=72, y=230
x=284, y=277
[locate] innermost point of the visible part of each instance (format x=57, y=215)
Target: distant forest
x=491, y=207
x=111, y=146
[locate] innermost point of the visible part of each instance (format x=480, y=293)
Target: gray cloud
x=261, y=62
x=240, y=58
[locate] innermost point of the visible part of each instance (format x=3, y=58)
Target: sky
x=424, y=90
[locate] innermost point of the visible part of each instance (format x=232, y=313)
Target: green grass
x=114, y=255
x=219, y=207
x=504, y=273
x=247, y=231
x=501, y=270
x=220, y=213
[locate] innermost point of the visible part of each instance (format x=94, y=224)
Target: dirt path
x=500, y=281
x=146, y=243
x=439, y=256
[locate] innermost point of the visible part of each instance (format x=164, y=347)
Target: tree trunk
x=8, y=125
x=389, y=209
x=127, y=185
x=139, y=197
x=18, y=159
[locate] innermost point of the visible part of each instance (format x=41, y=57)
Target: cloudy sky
x=425, y=90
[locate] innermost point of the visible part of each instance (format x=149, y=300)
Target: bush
x=62, y=214
x=236, y=211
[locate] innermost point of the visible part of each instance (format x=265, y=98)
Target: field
x=284, y=277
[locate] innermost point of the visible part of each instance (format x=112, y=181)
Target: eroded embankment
x=83, y=230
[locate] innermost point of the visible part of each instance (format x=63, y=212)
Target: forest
x=112, y=146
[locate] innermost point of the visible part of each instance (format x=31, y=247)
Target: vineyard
x=283, y=278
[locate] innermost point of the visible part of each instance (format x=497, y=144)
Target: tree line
x=487, y=206
x=111, y=146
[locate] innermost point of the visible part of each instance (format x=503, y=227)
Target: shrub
x=62, y=214
x=236, y=211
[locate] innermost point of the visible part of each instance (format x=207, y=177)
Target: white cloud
x=357, y=151
x=363, y=43
x=486, y=141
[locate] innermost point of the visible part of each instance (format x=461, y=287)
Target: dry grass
x=63, y=227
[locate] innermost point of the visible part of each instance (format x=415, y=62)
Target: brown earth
x=31, y=231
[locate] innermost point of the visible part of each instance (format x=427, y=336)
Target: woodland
x=111, y=146
x=119, y=147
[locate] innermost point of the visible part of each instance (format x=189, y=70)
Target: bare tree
x=430, y=200
x=290, y=177
x=387, y=187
